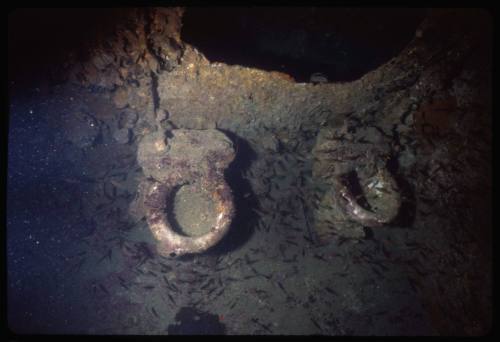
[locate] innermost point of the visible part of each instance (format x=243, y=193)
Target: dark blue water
x=42, y=221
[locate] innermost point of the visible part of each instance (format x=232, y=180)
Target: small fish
x=207, y=284
x=260, y=274
x=107, y=255
x=259, y=212
x=281, y=286
x=103, y=288
x=165, y=267
x=289, y=260
x=149, y=287
x=154, y=312
x=320, y=257
x=175, y=288
x=249, y=261
x=197, y=302
x=363, y=140
x=331, y=291
x=122, y=283
x=260, y=292
x=424, y=213
x=129, y=249
x=374, y=269
x=219, y=293
x=202, y=276
x=171, y=298
x=341, y=240
x=315, y=323
x=428, y=201
x=381, y=265
x=386, y=252
x=414, y=284
x=112, y=238
x=266, y=327
x=187, y=281
x=219, y=259
x=77, y=266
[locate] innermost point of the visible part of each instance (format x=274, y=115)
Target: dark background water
x=341, y=43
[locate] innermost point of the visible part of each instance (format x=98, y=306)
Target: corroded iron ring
x=173, y=244
x=381, y=192
x=188, y=156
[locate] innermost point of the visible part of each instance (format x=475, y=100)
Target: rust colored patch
x=282, y=75
x=433, y=120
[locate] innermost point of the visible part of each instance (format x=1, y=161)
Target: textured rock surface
x=186, y=155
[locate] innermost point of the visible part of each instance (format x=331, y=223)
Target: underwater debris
x=352, y=173
x=188, y=157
